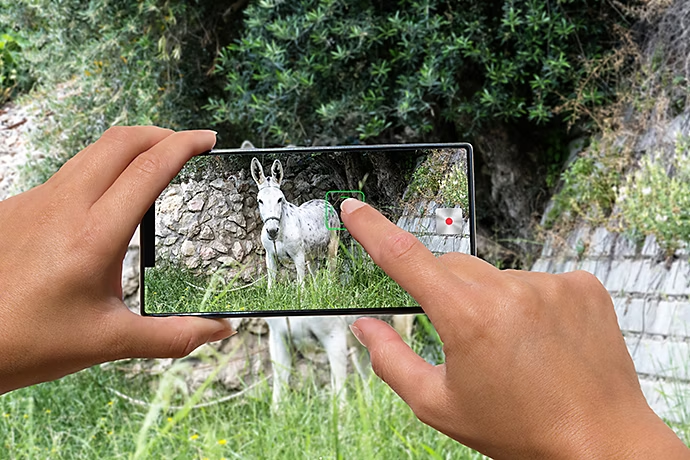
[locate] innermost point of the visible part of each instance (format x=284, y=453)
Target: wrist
x=638, y=434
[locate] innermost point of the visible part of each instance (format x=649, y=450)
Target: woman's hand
x=61, y=250
x=536, y=365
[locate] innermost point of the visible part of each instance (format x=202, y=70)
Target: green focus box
x=335, y=197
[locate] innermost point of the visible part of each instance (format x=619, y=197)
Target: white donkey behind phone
x=301, y=234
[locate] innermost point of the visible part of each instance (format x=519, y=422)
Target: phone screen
x=257, y=232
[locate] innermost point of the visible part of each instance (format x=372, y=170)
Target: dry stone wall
x=419, y=216
x=422, y=224
x=650, y=292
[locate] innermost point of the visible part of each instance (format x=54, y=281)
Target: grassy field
x=80, y=417
x=356, y=282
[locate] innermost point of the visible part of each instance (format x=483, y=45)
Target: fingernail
x=350, y=205
x=223, y=333
x=215, y=133
x=357, y=333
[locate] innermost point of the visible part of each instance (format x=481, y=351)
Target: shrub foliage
x=103, y=63
x=324, y=72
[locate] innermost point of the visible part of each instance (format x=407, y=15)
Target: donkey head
x=271, y=199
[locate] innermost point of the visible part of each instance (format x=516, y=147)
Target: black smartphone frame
x=147, y=231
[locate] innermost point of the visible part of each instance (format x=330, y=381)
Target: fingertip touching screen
x=257, y=232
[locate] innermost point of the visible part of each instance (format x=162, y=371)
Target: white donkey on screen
x=300, y=233
x=293, y=232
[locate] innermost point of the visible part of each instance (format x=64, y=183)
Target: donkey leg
x=403, y=324
x=333, y=243
x=360, y=357
x=300, y=266
x=271, y=268
x=335, y=343
x=281, y=359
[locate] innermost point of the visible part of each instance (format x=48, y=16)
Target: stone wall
x=650, y=292
x=652, y=301
x=214, y=224
x=423, y=225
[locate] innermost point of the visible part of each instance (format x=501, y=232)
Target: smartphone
x=257, y=232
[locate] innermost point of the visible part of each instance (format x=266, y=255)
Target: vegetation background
x=520, y=79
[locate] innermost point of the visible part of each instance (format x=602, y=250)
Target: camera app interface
x=259, y=230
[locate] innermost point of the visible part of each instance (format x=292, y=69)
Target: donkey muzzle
x=272, y=228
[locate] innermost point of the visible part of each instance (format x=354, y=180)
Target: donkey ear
x=277, y=171
x=257, y=172
x=247, y=145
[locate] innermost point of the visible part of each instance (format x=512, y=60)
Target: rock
x=237, y=218
x=231, y=227
x=234, y=198
x=227, y=261
x=219, y=247
x=218, y=184
x=193, y=230
x=256, y=326
x=206, y=233
x=170, y=204
x=188, y=248
x=238, y=251
x=196, y=204
x=207, y=253
x=251, y=225
x=193, y=263
x=170, y=240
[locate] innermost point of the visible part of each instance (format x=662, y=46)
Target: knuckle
x=583, y=281
x=585, y=278
x=379, y=356
x=182, y=345
x=397, y=246
x=522, y=297
x=148, y=165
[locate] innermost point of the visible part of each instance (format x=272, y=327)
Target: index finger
x=132, y=194
x=402, y=256
x=93, y=170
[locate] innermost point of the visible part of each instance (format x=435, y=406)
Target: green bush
x=656, y=202
x=588, y=188
x=325, y=72
x=11, y=75
x=437, y=178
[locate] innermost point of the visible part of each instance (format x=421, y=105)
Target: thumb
x=416, y=381
x=167, y=337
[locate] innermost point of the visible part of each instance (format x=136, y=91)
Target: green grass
x=80, y=417
x=355, y=283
